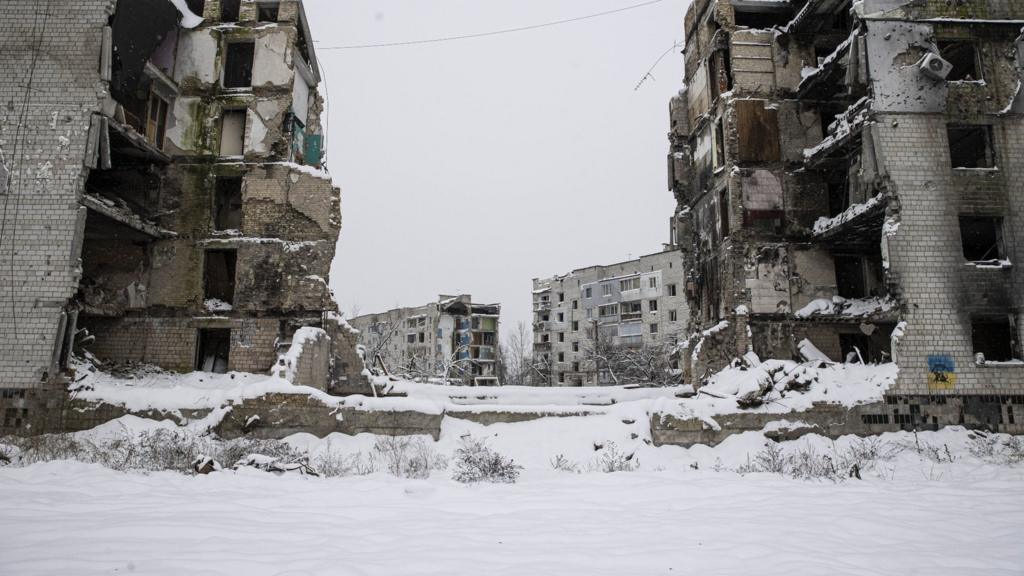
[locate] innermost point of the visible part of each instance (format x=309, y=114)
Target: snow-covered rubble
x=846, y=307
x=788, y=386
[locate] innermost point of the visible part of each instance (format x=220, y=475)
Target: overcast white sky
x=476, y=165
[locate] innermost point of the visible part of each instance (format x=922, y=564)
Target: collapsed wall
x=845, y=171
x=165, y=199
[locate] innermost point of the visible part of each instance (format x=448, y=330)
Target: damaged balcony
x=115, y=259
x=844, y=131
x=857, y=227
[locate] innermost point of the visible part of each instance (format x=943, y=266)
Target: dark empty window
x=759, y=18
x=228, y=204
x=229, y=10
x=995, y=337
x=964, y=58
x=970, y=146
x=982, y=238
x=850, y=277
x=723, y=211
x=213, y=351
x=238, y=64
x=719, y=156
x=219, y=275
x=854, y=347
x=268, y=11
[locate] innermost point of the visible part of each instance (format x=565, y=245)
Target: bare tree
x=647, y=363
x=378, y=341
x=516, y=357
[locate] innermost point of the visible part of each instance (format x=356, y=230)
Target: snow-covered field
x=684, y=511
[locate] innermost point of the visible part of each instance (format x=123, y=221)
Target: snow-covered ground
x=942, y=510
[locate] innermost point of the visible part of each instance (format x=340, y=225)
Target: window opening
x=228, y=204
x=219, y=275
x=238, y=64
x=214, y=350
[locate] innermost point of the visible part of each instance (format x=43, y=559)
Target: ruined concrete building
x=592, y=324
x=162, y=186
x=453, y=338
x=847, y=187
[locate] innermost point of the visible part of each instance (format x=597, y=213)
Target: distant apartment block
x=452, y=338
x=590, y=322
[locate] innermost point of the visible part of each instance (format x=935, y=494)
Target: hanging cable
x=493, y=32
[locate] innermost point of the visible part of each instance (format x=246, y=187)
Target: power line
x=492, y=33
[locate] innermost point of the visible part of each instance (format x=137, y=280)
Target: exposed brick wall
x=46, y=101
x=940, y=289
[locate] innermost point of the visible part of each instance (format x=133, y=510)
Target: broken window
x=608, y=310
x=561, y=356
x=228, y=204
x=982, y=238
x=156, y=120
x=268, y=11
x=561, y=336
x=214, y=350
x=654, y=328
x=561, y=296
x=575, y=325
x=575, y=304
x=671, y=289
x=723, y=212
x=838, y=195
x=964, y=58
x=673, y=316
x=410, y=338
x=970, y=146
x=720, y=79
x=718, y=158
x=561, y=316
x=995, y=337
x=757, y=130
x=854, y=347
x=575, y=346
x=238, y=64
x=232, y=133
x=229, y=10
x=587, y=293
x=219, y=275
x=850, y=282
x=759, y=17
x=652, y=305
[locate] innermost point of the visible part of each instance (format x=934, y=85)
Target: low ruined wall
x=995, y=413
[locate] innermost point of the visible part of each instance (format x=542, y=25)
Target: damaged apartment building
x=162, y=187
x=847, y=183
x=453, y=338
x=597, y=325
